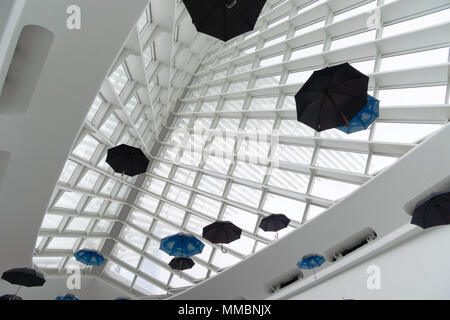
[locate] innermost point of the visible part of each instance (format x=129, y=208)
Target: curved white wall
x=415, y=269
x=39, y=139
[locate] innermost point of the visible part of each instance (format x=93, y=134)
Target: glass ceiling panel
x=89, y=180
x=102, y=226
x=289, y=180
x=250, y=83
x=86, y=148
x=147, y=288
x=119, y=79
x=51, y=221
x=245, y=195
x=207, y=206
x=119, y=273
x=62, y=243
x=172, y=214
x=94, y=205
x=153, y=250
x=293, y=209
x=249, y=172
x=94, y=108
x=246, y=220
x=212, y=185
x=128, y=256
x=331, y=189
x=68, y=200
x=140, y=219
x=184, y=176
x=78, y=224
x=196, y=224
x=69, y=169
x=341, y=160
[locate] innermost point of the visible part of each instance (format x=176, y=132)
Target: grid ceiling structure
x=194, y=104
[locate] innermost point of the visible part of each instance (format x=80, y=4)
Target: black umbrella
x=331, y=97
x=180, y=263
x=274, y=223
x=224, y=19
x=222, y=232
x=433, y=212
x=127, y=160
x=10, y=297
x=26, y=277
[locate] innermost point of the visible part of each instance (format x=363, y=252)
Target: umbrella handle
x=17, y=292
x=276, y=235
x=315, y=275
x=223, y=250
x=345, y=119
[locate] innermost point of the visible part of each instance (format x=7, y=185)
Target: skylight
x=233, y=150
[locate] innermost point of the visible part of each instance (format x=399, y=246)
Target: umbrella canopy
x=127, y=160
x=122, y=298
x=26, y=277
x=89, y=257
x=311, y=261
x=10, y=297
x=181, y=245
x=67, y=296
x=224, y=19
x=274, y=222
x=331, y=97
x=181, y=263
x=364, y=118
x=433, y=212
x=222, y=232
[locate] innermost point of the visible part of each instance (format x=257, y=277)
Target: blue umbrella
x=123, y=298
x=311, y=261
x=89, y=257
x=364, y=118
x=68, y=296
x=181, y=245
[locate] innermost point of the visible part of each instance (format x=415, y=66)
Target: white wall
x=416, y=269
x=39, y=139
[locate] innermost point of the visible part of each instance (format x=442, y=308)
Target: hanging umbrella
x=127, y=160
x=122, y=298
x=67, y=296
x=89, y=257
x=433, y=212
x=26, y=277
x=224, y=19
x=181, y=245
x=10, y=297
x=274, y=223
x=181, y=263
x=364, y=118
x=311, y=261
x=222, y=232
x=331, y=97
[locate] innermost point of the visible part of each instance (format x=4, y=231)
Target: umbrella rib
x=332, y=101
x=345, y=94
x=243, y=18
x=209, y=13
x=442, y=211
x=224, y=25
x=338, y=109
